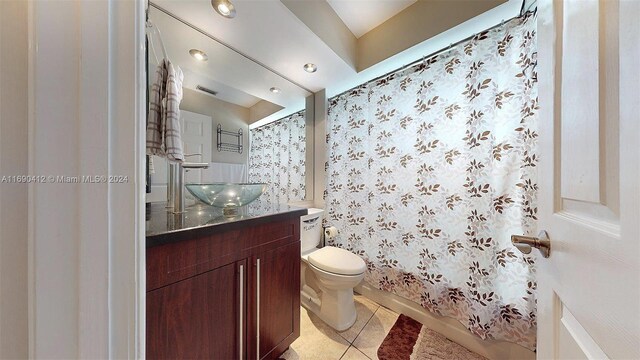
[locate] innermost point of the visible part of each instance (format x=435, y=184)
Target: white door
x=589, y=76
x=197, y=138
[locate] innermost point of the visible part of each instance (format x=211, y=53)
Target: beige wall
x=415, y=24
x=419, y=22
x=320, y=107
x=14, y=337
x=310, y=170
x=262, y=109
x=232, y=117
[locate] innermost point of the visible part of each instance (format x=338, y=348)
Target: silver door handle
x=258, y=309
x=525, y=243
x=241, y=310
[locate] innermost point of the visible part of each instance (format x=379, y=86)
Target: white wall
x=14, y=337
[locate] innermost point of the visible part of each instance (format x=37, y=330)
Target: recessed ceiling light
x=198, y=55
x=310, y=68
x=224, y=8
x=274, y=90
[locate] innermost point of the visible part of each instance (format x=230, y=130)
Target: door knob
x=525, y=243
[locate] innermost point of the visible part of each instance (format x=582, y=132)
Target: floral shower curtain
x=432, y=169
x=277, y=157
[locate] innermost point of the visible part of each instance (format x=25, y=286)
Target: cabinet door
x=202, y=317
x=275, y=300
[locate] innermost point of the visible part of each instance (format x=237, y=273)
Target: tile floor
x=360, y=342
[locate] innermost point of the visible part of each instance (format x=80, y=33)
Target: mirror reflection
x=220, y=94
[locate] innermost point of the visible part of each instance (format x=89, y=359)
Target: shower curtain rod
x=276, y=120
x=440, y=51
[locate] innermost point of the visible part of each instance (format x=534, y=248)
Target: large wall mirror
x=236, y=114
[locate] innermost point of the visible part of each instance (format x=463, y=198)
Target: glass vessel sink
x=229, y=197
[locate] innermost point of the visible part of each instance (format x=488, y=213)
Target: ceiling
x=275, y=35
x=363, y=16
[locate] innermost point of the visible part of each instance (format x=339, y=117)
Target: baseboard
x=449, y=327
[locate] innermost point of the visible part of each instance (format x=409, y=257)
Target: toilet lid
x=337, y=261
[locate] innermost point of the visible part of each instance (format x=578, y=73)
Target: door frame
x=86, y=242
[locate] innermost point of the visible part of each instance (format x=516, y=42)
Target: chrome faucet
x=175, y=183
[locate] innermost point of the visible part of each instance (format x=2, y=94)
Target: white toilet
x=328, y=275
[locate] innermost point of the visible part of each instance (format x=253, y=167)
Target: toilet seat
x=337, y=261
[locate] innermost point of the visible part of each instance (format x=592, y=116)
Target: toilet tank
x=310, y=229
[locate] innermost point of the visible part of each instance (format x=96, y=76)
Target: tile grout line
x=360, y=332
x=363, y=354
x=363, y=326
x=344, y=353
x=356, y=349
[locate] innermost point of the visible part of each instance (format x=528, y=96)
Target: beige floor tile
x=375, y=331
x=365, y=309
x=317, y=340
x=354, y=354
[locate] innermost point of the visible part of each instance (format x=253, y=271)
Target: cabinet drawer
x=271, y=235
x=167, y=264
x=173, y=262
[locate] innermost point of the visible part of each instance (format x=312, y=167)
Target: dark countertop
x=201, y=220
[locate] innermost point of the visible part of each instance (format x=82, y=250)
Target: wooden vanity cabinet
x=234, y=294
x=197, y=318
x=275, y=309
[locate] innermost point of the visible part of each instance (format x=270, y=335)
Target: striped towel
x=163, y=122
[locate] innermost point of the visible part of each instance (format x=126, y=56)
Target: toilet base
x=329, y=295
x=336, y=308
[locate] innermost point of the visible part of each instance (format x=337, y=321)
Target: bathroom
x=325, y=179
